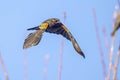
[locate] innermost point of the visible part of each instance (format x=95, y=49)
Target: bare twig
x=60, y=64
x=65, y=16
x=46, y=67
x=116, y=64
x=112, y=45
x=3, y=67
x=99, y=44
x=61, y=51
x=106, y=39
x=25, y=65
x=111, y=58
x=118, y=2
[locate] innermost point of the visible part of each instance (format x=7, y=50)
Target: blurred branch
x=60, y=64
x=65, y=16
x=99, y=44
x=61, y=50
x=112, y=45
x=46, y=67
x=25, y=65
x=111, y=58
x=106, y=39
x=116, y=64
x=3, y=67
x=118, y=3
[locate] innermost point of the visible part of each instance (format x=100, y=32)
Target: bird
x=51, y=25
x=116, y=24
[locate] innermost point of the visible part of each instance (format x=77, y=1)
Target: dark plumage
x=116, y=25
x=52, y=25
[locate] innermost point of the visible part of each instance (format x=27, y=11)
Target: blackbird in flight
x=52, y=25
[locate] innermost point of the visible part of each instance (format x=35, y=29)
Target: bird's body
x=52, y=25
x=116, y=25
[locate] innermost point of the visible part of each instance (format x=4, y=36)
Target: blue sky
x=18, y=15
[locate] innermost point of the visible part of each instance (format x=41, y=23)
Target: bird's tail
x=76, y=46
x=34, y=28
x=33, y=39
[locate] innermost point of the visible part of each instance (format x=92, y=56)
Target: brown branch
x=99, y=44
x=3, y=67
x=116, y=64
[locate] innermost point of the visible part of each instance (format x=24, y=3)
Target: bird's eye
x=56, y=21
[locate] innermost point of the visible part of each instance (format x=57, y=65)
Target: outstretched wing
x=33, y=39
x=75, y=45
x=59, y=29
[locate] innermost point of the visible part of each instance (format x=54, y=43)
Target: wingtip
x=113, y=32
x=24, y=47
x=82, y=54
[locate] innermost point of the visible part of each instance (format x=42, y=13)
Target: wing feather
x=58, y=29
x=61, y=29
x=33, y=39
x=75, y=45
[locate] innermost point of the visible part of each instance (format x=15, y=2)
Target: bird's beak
x=34, y=28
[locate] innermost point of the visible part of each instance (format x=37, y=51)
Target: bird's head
x=52, y=21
